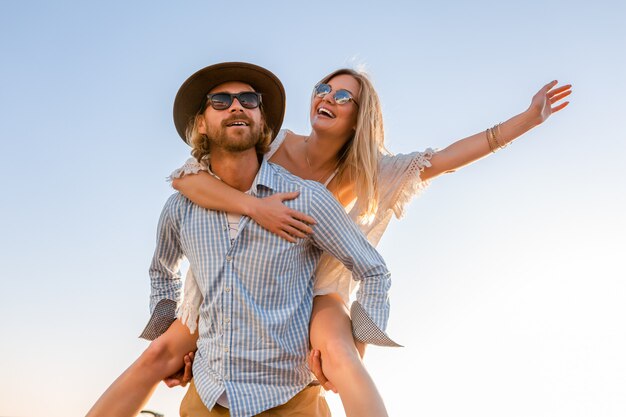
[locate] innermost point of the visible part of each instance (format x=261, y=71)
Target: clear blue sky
x=508, y=281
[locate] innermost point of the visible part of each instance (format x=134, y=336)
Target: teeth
x=238, y=124
x=327, y=112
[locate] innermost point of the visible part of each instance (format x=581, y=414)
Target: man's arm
x=337, y=234
x=165, y=275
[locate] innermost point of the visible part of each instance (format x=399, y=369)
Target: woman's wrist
x=530, y=118
x=250, y=206
x=518, y=125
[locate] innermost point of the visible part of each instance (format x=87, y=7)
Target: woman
x=344, y=151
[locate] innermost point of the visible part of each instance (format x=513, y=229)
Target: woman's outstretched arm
x=270, y=212
x=547, y=101
x=131, y=390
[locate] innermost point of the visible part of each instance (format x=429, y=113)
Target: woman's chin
x=324, y=124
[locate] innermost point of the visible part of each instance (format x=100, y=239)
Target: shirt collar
x=265, y=177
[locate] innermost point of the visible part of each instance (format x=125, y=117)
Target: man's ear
x=201, y=124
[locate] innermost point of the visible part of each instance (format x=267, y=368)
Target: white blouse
x=398, y=182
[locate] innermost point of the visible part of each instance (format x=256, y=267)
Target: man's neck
x=237, y=169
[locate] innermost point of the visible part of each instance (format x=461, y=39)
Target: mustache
x=238, y=118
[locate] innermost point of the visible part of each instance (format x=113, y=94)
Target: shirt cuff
x=365, y=330
x=162, y=317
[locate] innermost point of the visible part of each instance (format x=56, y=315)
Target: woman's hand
x=315, y=365
x=183, y=376
x=548, y=101
x=273, y=215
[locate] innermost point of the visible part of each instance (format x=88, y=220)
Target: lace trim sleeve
x=189, y=310
x=191, y=166
x=402, y=181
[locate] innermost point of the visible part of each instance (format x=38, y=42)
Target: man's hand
x=315, y=365
x=183, y=376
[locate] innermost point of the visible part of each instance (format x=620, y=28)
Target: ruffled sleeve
x=189, y=310
x=191, y=166
x=400, y=181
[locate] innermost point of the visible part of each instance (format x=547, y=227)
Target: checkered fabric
x=162, y=317
x=365, y=330
x=258, y=290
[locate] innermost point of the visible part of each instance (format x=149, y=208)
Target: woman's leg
x=131, y=390
x=331, y=334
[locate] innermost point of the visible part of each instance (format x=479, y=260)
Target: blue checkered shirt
x=258, y=290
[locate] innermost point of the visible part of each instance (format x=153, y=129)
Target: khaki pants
x=307, y=403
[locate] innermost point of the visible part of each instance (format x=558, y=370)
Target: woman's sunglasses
x=222, y=101
x=341, y=96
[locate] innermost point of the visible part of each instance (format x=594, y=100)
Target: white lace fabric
x=398, y=183
x=190, y=167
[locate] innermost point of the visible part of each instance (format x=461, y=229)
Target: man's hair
x=358, y=159
x=200, y=143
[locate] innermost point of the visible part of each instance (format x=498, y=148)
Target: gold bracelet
x=494, y=135
x=497, y=134
x=493, y=145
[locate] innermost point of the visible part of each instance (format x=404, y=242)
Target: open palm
x=548, y=100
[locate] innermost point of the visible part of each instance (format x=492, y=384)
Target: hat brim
x=193, y=91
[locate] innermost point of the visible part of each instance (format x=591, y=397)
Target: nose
x=235, y=106
x=328, y=98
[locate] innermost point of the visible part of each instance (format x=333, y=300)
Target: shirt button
x=227, y=320
x=227, y=289
x=226, y=349
x=225, y=228
x=229, y=258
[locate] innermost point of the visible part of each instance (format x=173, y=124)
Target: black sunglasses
x=222, y=101
x=341, y=96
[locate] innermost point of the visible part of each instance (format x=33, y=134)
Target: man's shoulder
x=175, y=204
x=175, y=199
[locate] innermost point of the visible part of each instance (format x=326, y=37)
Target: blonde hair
x=358, y=160
x=200, y=143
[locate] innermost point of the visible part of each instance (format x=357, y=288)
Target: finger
x=187, y=373
x=171, y=382
x=288, y=196
x=550, y=85
x=559, y=107
x=310, y=359
x=317, y=367
x=294, y=232
x=286, y=236
x=303, y=227
x=302, y=217
x=558, y=90
x=558, y=97
x=330, y=387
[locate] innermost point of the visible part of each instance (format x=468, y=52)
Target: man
x=257, y=287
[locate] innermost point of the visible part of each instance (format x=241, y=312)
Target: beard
x=234, y=139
